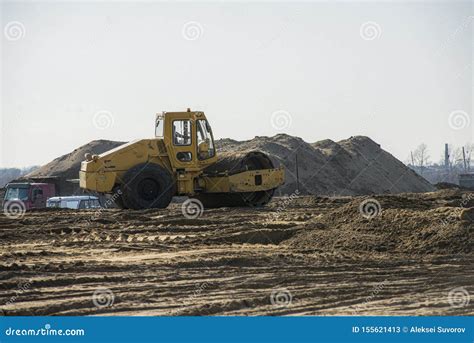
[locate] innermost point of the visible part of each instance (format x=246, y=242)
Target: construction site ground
x=297, y=256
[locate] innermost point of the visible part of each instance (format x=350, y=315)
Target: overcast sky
x=398, y=72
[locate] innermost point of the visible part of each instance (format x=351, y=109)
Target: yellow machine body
x=183, y=147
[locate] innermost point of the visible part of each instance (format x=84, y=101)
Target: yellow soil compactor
x=181, y=160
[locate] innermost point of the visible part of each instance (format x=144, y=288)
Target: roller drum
x=233, y=163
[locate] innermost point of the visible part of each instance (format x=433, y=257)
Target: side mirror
x=204, y=149
x=204, y=146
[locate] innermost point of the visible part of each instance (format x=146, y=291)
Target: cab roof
x=26, y=184
x=74, y=197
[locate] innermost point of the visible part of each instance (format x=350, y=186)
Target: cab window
x=95, y=204
x=17, y=193
x=84, y=204
x=204, y=139
x=182, y=132
x=70, y=204
x=52, y=204
x=184, y=156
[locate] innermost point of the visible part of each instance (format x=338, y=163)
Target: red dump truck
x=32, y=195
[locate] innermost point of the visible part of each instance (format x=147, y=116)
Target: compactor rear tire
x=147, y=185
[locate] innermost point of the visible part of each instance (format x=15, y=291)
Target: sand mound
x=404, y=224
x=68, y=166
x=355, y=166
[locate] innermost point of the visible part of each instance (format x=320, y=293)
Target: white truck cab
x=78, y=202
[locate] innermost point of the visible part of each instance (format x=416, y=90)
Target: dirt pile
x=68, y=165
x=355, y=166
x=418, y=225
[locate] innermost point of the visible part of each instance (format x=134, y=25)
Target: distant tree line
x=9, y=174
x=458, y=160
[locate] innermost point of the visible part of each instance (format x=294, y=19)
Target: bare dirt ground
x=304, y=256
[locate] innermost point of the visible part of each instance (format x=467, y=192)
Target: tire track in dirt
x=228, y=262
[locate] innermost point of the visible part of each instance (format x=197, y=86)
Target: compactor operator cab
x=188, y=139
